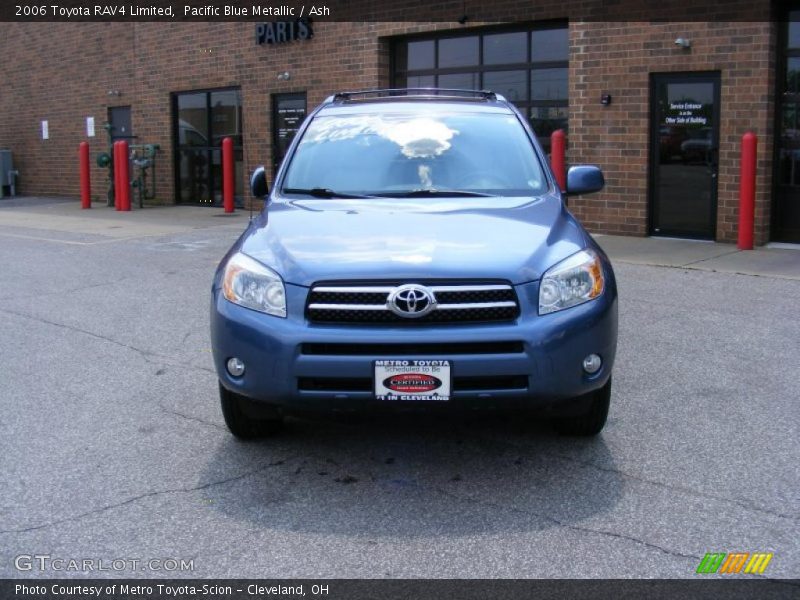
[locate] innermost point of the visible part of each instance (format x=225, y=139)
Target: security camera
x=683, y=42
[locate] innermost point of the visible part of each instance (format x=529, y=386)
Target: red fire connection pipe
x=117, y=169
x=747, y=191
x=227, y=174
x=558, y=160
x=86, y=189
x=124, y=177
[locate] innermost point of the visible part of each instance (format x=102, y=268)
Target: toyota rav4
x=415, y=251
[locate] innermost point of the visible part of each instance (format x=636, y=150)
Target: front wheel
x=593, y=420
x=241, y=424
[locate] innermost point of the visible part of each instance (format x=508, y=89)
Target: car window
x=376, y=154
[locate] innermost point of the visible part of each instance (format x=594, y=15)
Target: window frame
x=525, y=105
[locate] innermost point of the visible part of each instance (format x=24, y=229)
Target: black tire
x=591, y=422
x=240, y=424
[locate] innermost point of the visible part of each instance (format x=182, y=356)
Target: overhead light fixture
x=285, y=76
x=684, y=43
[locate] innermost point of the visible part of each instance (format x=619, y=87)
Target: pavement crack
x=67, y=291
x=144, y=353
x=133, y=499
x=191, y=418
x=726, y=253
x=700, y=268
x=678, y=488
x=560, y=523
x=148, y=356
x=666, y=486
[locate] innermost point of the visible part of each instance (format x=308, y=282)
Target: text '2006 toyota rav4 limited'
x=415, y=250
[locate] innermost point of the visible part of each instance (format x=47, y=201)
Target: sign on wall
x=282, y=32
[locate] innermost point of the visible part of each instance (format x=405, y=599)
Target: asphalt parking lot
x=112, y=444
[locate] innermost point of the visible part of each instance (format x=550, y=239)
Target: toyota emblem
x=411, y=301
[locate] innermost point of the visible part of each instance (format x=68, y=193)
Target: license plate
x=426, y=380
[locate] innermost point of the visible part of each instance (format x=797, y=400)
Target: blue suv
x=415, y=251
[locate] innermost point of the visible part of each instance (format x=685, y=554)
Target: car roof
x=415, y=99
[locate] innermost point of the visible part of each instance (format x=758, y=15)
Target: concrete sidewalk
x=62, y=220
x=782, y=263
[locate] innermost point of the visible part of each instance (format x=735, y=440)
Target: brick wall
x=63, y=72
x=618, y=58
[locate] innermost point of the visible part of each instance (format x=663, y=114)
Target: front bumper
x=533, y=362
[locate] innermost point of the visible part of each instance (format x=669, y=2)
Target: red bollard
x=227, y=174
x=558, y=161
x=124, y=195
x=86, y=190
x=117, y=184
x=747, y=191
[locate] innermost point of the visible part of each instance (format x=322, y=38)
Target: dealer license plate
x=426, y=380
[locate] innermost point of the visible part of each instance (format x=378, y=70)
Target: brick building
x=663, y=119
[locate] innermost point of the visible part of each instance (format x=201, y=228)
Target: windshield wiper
x=433, y=193
x=321, y=193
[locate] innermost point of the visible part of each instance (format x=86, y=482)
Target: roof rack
x=427, y=93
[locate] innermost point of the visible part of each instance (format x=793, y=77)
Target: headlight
x=573, y=281
x=248, y=283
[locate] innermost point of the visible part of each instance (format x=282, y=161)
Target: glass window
x=794, y=29
x=789, y=146
x=511, y=84
x=192, y=120
x=504, y=48
x=459, y=81
x=527, y=66
x=793, y=74
x=549, y=84
x=421, y=55
x=549, y=45
x=288, y=113
x=458, y=52
x=226, y=117
x=193, y=172
x=545, y=120
x=396, y=154
x=421, y=81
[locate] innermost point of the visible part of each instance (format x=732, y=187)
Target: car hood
x=513, y=239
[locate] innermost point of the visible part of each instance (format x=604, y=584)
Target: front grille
x=460, y=384
x=452, y=348
x=453, y=303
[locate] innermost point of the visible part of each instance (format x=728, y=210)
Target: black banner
x=410, y=589
x=461, y=11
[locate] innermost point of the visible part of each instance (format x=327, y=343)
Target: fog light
x=592, y=364
x=236, y=367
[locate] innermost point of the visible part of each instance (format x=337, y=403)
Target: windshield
x=420, y=154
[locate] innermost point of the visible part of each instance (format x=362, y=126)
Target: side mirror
x=584, y=179
x=258, y=183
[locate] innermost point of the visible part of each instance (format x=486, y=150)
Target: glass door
x=786, y=199
x=202, y=121
x=684, y=155
x=288, y=113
